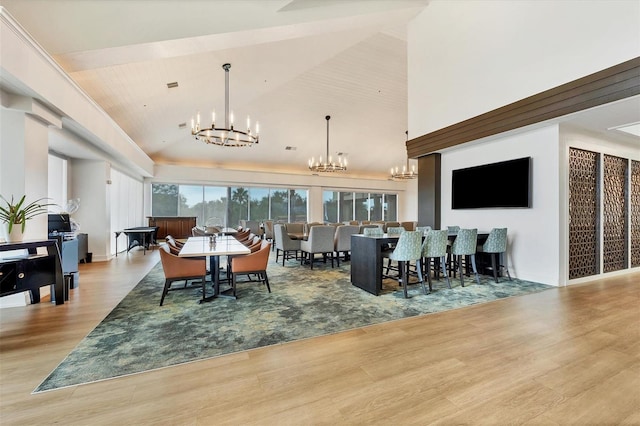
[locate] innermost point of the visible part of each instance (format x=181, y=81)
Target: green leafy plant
x=18, y=213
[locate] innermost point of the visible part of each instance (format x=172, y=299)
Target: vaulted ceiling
x=292, y=63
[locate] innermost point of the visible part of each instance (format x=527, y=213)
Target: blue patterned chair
x=496, y=247
x=435, y=247
x=394, y=230
x=408, y=249
x=423, y=229
x=372, y=231
x=465, y=246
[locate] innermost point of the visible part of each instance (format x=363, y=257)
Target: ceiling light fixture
x=328, y=165
x=406, y=173
x=227, y=135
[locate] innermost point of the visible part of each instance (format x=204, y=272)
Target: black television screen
x=495, y=185
x=59, y=222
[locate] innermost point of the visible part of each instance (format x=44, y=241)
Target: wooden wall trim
x=615, y=83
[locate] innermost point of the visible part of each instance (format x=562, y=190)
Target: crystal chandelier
x=328, y=165
x=406, y=173
x=227, y=135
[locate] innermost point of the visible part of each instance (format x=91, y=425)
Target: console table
x=31, y=271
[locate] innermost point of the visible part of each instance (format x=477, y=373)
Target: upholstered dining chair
x=254, y=264
x=174, y=246
x=320, y=241
x=371, y=231
x=408, y=249
x=209, y=230
x=242, y=234
x=198, y=232
x=496, y=247
x=268, y=230
x=284, y=244
x=181, y=269
x=434, y=247
x=342, y=240
x=465, y=245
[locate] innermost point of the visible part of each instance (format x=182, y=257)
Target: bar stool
x=435, y=247
x=465, y=244
x=496, y=247
x=408, y=249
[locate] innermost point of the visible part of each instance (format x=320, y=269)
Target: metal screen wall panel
x=614, y=214
x=584, y=207
x=635, y=212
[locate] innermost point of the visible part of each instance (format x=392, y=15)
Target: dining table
x=214, y=247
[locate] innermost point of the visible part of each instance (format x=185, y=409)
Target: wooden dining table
x=214, y=248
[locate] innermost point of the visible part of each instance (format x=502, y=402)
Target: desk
x=224, y=246
x=30, y=272
x=145, y=233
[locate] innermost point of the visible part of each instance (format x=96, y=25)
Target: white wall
x=468, y=57
x=533, y=252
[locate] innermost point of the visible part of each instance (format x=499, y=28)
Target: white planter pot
x=15, y=236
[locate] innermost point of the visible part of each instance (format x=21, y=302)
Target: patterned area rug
x=139, y=335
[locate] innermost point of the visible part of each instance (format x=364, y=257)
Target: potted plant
x=17, y=214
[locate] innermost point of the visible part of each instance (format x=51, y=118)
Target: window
x=345, y=211
x=390, y=207
x=361, y=206
x=164, y=199
x=298, y=205
x=347, y=206
x=215, y=206
x=238, y=205
x=227, y=206
x=259, y=203
x=330, y=206
x=375, y=207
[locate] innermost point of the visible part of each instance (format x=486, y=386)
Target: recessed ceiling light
x=172, y=84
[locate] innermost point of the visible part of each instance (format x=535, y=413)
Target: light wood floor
x=569, y=355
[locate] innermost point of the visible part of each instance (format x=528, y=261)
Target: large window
x=215, y=205
x=227, y=206
x=330, y=202
x=346, y=206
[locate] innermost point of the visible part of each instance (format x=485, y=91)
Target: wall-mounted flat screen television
x=496, y=185
x=59, y=222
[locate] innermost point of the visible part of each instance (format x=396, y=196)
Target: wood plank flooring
x=564, y=356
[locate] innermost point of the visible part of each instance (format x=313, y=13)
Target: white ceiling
x=293, y=62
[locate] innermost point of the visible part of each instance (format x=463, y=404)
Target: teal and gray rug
x=138, y=335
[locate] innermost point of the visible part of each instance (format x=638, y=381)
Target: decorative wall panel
x=635, y=213
x=584, y=205
x=614, y=214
